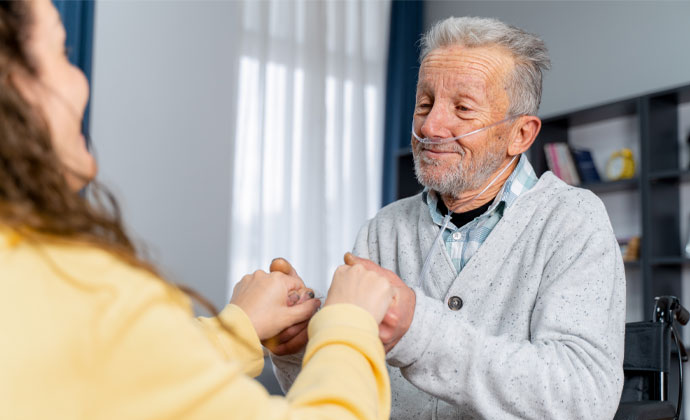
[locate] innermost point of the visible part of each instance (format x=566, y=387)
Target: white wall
x=161, y=116
x=601, y=50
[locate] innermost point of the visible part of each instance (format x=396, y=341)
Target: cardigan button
x=455, y=303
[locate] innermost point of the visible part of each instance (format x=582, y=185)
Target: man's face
x=461, y=89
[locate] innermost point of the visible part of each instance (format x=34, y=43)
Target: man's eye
x=462, y=108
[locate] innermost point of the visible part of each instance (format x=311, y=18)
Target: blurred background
x=234, y=132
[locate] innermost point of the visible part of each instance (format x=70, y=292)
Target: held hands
x=357, y=285
x=280, y=306
x=399, y=316
x=352, y=283
x=266, y=299
x=293, y=338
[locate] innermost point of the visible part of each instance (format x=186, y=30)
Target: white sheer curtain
x=309, y=133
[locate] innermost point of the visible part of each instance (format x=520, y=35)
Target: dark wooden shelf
x=612, y=186
x=621, y=108
x=632, y=264
x=674, y=260
x=682, y=175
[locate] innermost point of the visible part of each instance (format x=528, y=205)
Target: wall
x=600, y=51
x=162, y=112
x=162, y=120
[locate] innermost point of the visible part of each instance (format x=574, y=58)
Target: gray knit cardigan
x=540, y=334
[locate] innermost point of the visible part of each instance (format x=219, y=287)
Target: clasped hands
x=281, y=315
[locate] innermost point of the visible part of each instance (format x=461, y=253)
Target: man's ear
x=525, y=132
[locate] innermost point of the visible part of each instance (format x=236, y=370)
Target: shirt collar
x=520, y=180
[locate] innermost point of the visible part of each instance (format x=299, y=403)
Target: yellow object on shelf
x=632, y=250
x=620, y=165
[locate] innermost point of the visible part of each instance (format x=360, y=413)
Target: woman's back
x=79, y=325
x=87, y=336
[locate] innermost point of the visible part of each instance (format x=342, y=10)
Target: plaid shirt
x=462, y=243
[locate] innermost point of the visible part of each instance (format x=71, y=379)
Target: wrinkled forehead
x=482, y=70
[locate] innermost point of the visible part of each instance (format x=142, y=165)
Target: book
x=567, y=164
x=561, y=162
x=585, y=166
x=552, y=159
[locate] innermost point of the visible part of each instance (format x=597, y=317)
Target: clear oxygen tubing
x=446, y=220
x=437, y=140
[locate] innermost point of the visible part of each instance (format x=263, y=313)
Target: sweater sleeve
x=156, y=362
x=242, y=346
x=570, y=368
x=286, y=368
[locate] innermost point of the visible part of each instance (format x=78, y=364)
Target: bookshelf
x=651, y=127
x=653, y=205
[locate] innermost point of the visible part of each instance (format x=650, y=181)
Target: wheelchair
x=647, y=363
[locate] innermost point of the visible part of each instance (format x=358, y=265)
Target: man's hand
x=294, y=338
x=264, y=299
x=399, y=316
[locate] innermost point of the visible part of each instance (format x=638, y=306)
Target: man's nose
x=437, y=123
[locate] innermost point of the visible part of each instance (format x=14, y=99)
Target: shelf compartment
x=612, y=186
x=632, y=264
x=595, y=114
x=673, y=261
x=682, y=175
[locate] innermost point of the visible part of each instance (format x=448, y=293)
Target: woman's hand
x=363, y=287
x=400, y=313
x=264, y=297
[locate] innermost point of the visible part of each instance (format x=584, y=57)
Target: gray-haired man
x=513, y=307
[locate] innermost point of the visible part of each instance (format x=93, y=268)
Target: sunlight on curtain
x=309, y=134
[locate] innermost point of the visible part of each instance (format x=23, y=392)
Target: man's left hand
x=399, y=316
x=294, y=338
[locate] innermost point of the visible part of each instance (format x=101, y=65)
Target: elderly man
x=512, y=298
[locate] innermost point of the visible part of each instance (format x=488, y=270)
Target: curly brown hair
x=34, y=194
x=35, y=198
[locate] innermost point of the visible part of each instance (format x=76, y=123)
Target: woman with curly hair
x=90, y=330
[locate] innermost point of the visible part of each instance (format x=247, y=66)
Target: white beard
x=467, y=176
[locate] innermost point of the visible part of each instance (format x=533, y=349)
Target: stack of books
x=574, y=166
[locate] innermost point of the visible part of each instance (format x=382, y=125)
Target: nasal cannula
x=446, y=220
x=438, y=140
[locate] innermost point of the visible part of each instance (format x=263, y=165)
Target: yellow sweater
x=84, y=335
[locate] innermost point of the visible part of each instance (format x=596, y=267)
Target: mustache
x=441, y=148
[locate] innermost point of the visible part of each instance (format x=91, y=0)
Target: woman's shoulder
x=81, y=266
x=90, y=296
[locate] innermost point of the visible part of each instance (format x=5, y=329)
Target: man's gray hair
x=529, y=52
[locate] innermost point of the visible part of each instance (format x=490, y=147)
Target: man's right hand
x=294, y=338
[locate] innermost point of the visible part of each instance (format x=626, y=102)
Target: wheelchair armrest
x=645, y=410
